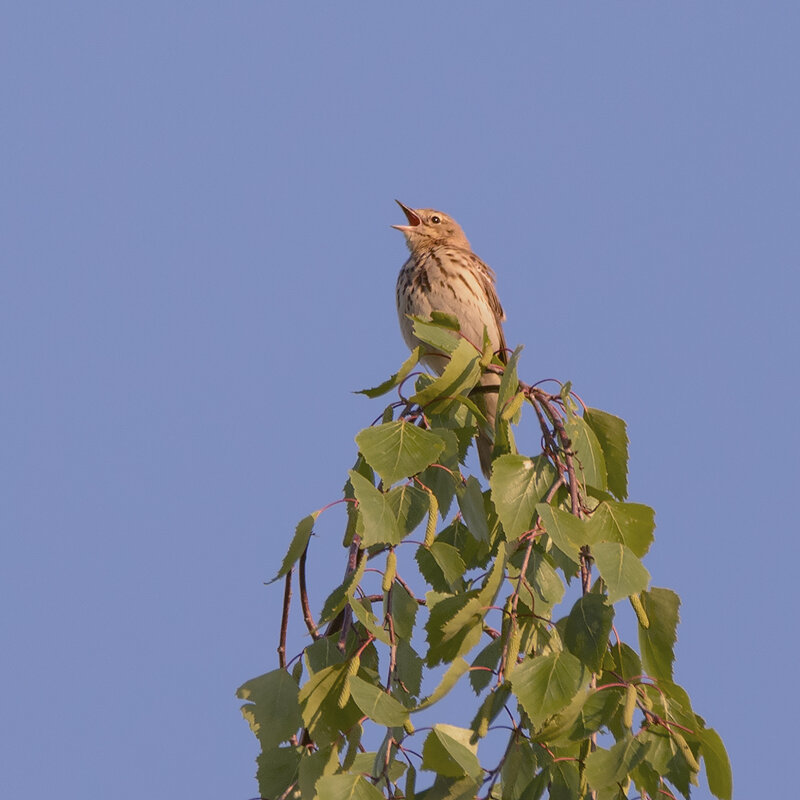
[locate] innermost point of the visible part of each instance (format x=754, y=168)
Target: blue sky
x=198, y=270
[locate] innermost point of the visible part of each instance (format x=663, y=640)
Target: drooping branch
x=287, y=599
x=307, y=616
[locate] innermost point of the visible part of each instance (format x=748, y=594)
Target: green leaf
x=509, y=403
x=398, y=449
x=518, y=770
x=589, y=458
x=489, y=657
x=319, y=698
x=441, y=566
x=473, y=509
x=380, y=523
x=313, y=766
x=346, y=787
x=494, y=702
x=471, y=612
x=613, y=438
x=447, y=751
x=646, y=779
x=277, y=770
x=460, y=639
x=631, y=524
x=564, y=781
x=376, y=704
x=388, y=517
x=548, y=587
x=456, y=669
x=624, y=661
x=597, y=712
x=442, y=338
x=338, y=598
x=509, y=383
x=362, y=608
x=473, y=552
x=411, y=781
x=397, y=378
x=443, y=788
x=658, y=641
x=566, y=531
x=623, y=573
x=364, y=764
x=441, y=482
x=518, y=484
x=445, y=320
x=546, y=684
x=606, y=768
x=587, y=630
x=409, y=505
x=298, y=544
x=273, y=710
x=460, y=375
x=408, y=673
x=323, y=653
x=718, y=767
x=404, y=611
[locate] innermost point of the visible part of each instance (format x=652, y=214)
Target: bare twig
x=307, y=616
x=287, y=599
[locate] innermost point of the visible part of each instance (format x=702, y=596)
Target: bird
x=443, y=274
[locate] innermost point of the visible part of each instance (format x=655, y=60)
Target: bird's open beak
x=411, y=216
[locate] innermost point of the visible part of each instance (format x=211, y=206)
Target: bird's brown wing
x=487, y=279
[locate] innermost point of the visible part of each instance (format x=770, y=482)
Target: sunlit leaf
x=341, y=594
x=272, y=710
x=277, y=770
x=606, y=768
x=588, y=454
x=397, y=378
x=299, y=541
x=622, y=571
x=388, y=517
x=447, y=751
x=346, y=787
x=471, y=503
x=613, y=437
x=546, y=684
x=658, y=641
x=398, y=449
x=456, y=669
x=376, y=704
x=588, y=628
x=441, y=565
x=440, y=335
x=462, y=373
x=631, y=524
x=362, y=608
x=518, y=484
x=314, y=765
x=566, y=531
x=718, y=766
x=404, y=611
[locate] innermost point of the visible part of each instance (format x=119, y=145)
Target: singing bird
x=443, y=274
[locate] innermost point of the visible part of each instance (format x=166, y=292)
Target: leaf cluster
x=513, y=589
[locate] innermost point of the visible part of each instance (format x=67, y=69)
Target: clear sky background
x=198, y=269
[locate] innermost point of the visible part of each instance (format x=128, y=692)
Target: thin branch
x=307, y=615
x=287, y=600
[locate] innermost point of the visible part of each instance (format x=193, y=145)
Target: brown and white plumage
x=443, y=274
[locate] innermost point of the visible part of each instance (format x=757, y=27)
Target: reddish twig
x=307, y=615
x=287, y=599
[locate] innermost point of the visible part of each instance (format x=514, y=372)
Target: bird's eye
x=435, y=220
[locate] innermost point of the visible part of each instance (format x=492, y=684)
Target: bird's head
x=427, y=227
